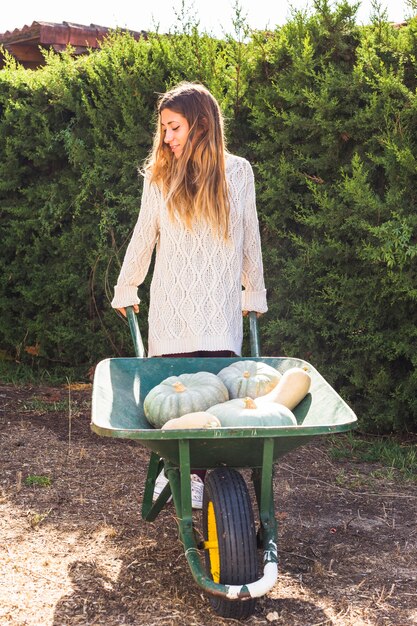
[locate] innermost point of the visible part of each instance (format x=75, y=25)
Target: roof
x=24, y=43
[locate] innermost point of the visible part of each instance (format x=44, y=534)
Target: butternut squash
x=198, y=419
x=290, y=390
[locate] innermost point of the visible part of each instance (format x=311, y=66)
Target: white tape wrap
x=263, y=585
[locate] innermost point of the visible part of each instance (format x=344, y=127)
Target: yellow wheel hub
x=212, y=543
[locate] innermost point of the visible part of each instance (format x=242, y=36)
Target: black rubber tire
x=226, y=493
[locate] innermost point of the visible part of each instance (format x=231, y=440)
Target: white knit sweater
x=196, y=297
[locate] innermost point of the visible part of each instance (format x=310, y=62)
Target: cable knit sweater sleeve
x=139, y=251
x=254, y=294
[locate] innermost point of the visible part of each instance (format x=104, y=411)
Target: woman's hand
x=246, y=313
x=135, y=310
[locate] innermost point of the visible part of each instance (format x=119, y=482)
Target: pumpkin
x=198, y=419
x=178, y=395
x=249, y=378
x=291, y=389
x=241, y=412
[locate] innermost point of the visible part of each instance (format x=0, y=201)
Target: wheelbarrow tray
x=121, y=384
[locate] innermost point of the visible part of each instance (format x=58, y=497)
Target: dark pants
x=201, y=353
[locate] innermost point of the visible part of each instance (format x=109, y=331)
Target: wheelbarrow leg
x=179, y=486
x=150, y=509
x=262, y=480
x=180, y=481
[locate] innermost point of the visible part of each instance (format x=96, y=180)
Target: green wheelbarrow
x=225, y=562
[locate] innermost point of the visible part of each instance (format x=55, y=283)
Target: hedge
x=326, y=112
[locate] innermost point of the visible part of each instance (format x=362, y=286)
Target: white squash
x=249, y=378
x=241, y=412
x=198, y=419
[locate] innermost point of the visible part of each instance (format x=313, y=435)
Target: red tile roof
x=23, y=43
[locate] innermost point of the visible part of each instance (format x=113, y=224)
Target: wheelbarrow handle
x=255, y=346
x=140, y=350
x=135, y=332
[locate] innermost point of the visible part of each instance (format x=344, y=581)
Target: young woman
x=198, y=208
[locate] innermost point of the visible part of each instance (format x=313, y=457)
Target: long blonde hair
x=194, y=184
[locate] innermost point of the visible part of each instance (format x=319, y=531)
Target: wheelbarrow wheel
x=229, y=538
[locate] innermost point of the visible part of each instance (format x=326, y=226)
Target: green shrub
x=72, y=137
x=336, y=121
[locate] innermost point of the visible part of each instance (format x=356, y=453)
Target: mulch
x=76, y=551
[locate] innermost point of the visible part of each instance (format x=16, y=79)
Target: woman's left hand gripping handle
x=135, y=308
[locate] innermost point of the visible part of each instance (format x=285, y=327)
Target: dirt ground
x=77, y=552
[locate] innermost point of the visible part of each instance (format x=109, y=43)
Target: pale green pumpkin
x=178, y=395
x=243, y=412
x=249, y=379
